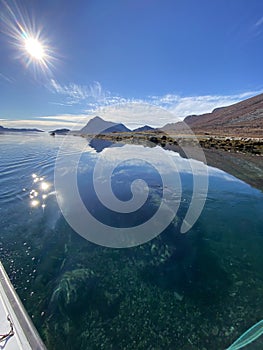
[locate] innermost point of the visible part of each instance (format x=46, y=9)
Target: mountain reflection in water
x=198, y=290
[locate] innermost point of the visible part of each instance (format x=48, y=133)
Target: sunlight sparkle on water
x=33, y=194
x=34, y=203
x=43, y=186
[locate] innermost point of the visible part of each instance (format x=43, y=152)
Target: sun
x=35, y=49
x=29, y=40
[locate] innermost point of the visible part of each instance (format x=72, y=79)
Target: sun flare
x=29, y=39
x=34, y=48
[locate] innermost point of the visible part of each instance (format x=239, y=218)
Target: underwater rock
x=75, y=289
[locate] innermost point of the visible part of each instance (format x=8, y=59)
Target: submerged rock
x=75, y=289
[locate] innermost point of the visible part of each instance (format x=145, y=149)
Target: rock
x=215, y=331
x=74, y=288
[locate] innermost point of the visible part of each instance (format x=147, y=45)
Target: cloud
x=136, y=113
x=6, y=78
x=69, y=118
x=154, y=110
x=170, y=108
x=259, y=22
x=256, y=28
x=183, y=106
x=76, y=94
x=94, y=100
x=88, y=97
x=43, y=124
x=133, y=114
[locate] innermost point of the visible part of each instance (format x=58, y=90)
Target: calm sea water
x=200, y=290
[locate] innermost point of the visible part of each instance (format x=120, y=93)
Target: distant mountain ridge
x=143, y=128
x=244, y=118
x=3, y=129
x=97, y=125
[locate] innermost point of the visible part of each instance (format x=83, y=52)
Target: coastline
x=245, y=167
x=241, y=157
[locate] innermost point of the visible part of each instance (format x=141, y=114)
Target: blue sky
x=187, y=56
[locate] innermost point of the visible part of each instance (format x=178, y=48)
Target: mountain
x=144, y=128
x=98, y=125
x=3, y=129
x=244, y=118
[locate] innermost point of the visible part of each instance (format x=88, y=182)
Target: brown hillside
x=241, y=119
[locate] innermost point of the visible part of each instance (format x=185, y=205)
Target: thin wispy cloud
x=76, y=94
x=71, y=118
x=259, y=22
x=75, y=121
x=58, y=104
x=170, y=108
x=87, y=97
x=153, y=110
x=257, y=28
x=6, y=78
x=93, y=99
x=184, y=106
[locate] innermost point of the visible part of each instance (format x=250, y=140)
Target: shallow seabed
x=200, y=290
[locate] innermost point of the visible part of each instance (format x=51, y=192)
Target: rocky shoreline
x=241, y=157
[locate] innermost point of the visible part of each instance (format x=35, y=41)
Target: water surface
x=200, y=290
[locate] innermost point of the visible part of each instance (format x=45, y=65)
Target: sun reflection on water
x=36, y=195
x=44, y=186
x=34, y=203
